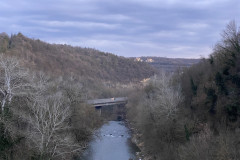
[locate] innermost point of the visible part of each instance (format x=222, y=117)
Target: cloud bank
x=166, y=28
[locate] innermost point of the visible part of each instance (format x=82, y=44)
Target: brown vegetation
x=205, y=125
x=41, y=117
x=65, y=60
x=193, y=114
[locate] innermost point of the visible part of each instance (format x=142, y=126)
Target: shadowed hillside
x=67, y=60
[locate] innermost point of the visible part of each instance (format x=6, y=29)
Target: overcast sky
x=166, y=28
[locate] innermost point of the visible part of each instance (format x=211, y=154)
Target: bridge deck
x=107, y=101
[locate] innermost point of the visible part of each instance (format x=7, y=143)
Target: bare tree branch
x=12, y=79
x=49, y=126
x=166, y=98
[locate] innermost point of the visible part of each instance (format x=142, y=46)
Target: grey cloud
x=170, y=28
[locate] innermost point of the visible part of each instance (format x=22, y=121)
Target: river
x=112, y=142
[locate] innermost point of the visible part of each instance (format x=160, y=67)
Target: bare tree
x=12, y=79
x=166, y=97
x=231, y=38
x=229, y=47
x=156, y=114
x=48, y=131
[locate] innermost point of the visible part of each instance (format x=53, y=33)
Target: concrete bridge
x=108, y=101
x=110, y=108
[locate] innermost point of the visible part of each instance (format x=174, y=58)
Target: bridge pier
x=111, y=112
x=99, y=109
x=110, y=108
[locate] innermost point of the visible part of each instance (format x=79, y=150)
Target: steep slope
x=212, y=87
x=66, y=60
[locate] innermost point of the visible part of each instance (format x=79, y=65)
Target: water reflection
x=112, y=143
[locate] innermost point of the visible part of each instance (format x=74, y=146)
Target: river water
x=112, y=142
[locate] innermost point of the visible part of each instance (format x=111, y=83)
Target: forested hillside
x=43, y=88
x=212, y=87
x=67, y=60
x=42, y=117
x=193, y=114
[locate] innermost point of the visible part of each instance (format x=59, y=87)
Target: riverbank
x=136, y=138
